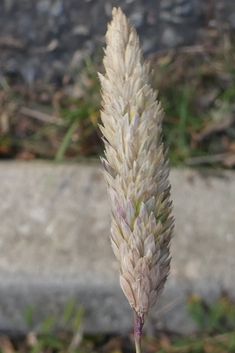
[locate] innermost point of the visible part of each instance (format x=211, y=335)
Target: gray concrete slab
x=54, y=245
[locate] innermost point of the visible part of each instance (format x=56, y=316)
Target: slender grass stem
x=138, y=344
x=138, y=324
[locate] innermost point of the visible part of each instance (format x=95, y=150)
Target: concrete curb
x=54, y=245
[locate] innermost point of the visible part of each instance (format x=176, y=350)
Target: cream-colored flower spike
x=136, y=169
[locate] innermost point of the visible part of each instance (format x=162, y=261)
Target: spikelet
x=135, y=169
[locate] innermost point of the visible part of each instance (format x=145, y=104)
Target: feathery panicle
x=135, y=169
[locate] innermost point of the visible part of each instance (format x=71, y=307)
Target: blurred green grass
x=196, y=87
x=215, y=333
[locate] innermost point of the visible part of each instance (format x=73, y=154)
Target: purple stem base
x=138, y=325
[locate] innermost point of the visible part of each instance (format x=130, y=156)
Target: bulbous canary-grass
x=135, y=170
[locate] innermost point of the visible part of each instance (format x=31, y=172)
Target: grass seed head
x=135, y=169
